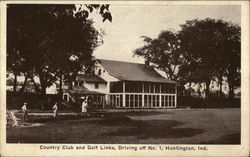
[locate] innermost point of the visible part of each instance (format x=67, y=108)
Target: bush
x=213, y=102
x=35, y=101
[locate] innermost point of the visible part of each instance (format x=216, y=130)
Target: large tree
x=214, y=48
x=202, y=51
x=162, y=52
x=47, y=36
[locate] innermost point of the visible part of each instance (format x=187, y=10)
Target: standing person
x=55, y=109
x=84, y=106
x=25, y=113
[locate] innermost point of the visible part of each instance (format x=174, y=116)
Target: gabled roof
x=90, y=78
x=128, y=71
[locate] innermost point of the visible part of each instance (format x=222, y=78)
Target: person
x=25, y=112
x=84, y=106
x=55, y=109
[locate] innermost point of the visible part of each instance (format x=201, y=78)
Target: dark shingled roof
x=81, y=90
x=132, y=71
x=90, y=78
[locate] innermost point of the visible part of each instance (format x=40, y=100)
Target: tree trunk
x=35, y=85
x=199, y=89
x=231, y=89
x=190, y=89
x=15, y=82
x=60, y=86
x=24, y=83
x=207, y=88
x=43, y=90
x=220, y=84
x=43, y=86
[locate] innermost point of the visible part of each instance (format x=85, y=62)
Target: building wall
x=100, y=71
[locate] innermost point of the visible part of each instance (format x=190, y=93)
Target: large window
x=133, y=87
x=116, y=100
x=168, y=88
x=127, y=100
x=146, y=87
x=157, y=88
x=151, y=88
x=141, y=101
x=116, y=87
x=97, y=101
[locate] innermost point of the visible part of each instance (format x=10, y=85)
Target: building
x=116, y=84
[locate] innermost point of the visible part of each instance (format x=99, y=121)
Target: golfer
x=55, y=109
x=25, y=113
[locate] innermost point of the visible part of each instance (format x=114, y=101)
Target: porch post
x=175, y=95
x=160, y=96
x=142, y=95
x=123, y=97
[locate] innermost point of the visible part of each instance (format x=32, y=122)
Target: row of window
x=138, y=101
x=137, y=87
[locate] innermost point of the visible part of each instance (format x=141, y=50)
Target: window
x=157, y=101
x=116, y=87
x=127, y=100
x=136, y=101
x=96, y=85
x=157, y=88
x=140, y=100
x=173, y=101
x=151, y=88
x=99, y=72
x=146, y=101
x=146, y=87
x=163, y=104
x=133, y=87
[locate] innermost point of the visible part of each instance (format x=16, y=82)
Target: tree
x=162, y=52
x=46, y=36
x=201, y=52
x=214, y=48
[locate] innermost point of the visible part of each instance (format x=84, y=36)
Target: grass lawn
x=201, y=126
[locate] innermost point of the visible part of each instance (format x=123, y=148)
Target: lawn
x=194, y=126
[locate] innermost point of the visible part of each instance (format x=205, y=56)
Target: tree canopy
x=202, y=51
x=162, y=52
x=51, y=40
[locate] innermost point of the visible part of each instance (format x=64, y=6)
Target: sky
x=132, y=21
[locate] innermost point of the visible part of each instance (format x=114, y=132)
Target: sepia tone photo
x=123, y=74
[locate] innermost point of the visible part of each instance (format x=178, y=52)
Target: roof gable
x=132, y=71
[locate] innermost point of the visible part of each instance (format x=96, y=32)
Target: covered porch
x=139, y=94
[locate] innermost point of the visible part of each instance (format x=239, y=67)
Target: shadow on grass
x=142, y=113
x=148, y=128
x=226, y=139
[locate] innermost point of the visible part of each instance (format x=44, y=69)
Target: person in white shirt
x=25, y=113
x=55, y=109
x=84, y=106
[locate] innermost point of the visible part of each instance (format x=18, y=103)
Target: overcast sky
x=132, y=21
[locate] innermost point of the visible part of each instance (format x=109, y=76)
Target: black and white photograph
x=111, y=76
